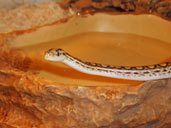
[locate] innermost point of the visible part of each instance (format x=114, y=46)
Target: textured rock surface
x=27, y=16
x=15, y=3
x=158, y=7
x=29, y=101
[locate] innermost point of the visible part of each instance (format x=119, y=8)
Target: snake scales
x=142, y=73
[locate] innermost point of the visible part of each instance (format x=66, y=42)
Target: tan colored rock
x=33, y=16
x=30, y=101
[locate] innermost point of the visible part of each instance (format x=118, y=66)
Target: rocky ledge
x=157, y=7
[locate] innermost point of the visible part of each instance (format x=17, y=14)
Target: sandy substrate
x=30, y=16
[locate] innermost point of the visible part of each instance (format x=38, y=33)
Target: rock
x=30, y=101
x=158, y=7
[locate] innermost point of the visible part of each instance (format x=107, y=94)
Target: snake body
x=142, y=73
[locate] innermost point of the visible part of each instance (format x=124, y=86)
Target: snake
x=140, y=73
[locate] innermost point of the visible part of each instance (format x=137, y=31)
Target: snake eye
x=58, y=54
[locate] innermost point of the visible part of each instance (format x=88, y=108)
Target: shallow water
x=100, y=47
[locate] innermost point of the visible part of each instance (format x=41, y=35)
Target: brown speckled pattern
x=124, y=71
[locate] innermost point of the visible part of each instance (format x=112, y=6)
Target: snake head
x=55, y=55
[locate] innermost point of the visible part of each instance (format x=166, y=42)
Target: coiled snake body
x=143, y=73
